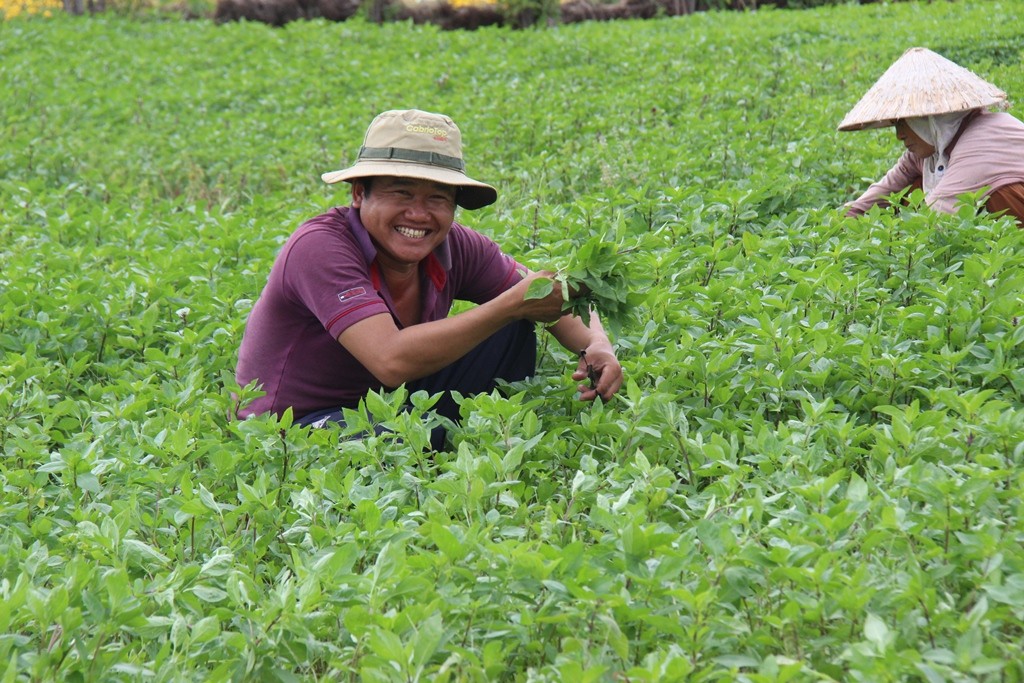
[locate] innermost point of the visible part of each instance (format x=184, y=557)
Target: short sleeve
x=480, y=269
x=325, y=272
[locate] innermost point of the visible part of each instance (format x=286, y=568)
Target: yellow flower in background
x=12, y=8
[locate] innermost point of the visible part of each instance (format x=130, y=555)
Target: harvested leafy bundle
x=601, y=277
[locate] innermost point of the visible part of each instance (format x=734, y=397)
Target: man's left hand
x=602, y=370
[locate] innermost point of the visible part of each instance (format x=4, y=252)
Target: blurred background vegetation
x=449, y=14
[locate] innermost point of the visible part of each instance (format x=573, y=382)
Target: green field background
x=812, y=474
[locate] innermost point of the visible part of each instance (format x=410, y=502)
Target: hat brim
x=851, y=122
x=921, y=83
x=472, y=194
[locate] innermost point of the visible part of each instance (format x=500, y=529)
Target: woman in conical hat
x=955, y=144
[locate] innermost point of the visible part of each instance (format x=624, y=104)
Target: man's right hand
x=547, y=309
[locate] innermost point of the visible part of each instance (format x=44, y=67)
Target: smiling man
x=359, y=297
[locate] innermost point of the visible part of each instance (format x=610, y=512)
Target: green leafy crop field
x=813, y=473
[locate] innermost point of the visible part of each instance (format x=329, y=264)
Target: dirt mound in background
x=280, y=12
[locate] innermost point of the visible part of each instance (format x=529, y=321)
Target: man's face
x=912, y=140
x=406, y=217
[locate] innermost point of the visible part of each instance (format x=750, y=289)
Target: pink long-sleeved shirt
x=989, y=153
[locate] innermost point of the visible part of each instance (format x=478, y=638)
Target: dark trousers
x=510, y=354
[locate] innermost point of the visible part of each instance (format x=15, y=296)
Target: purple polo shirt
x=326, y=279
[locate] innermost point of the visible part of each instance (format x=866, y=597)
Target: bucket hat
x=410, y=143
x=921, y=83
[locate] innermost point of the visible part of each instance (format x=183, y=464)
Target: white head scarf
x=937, y=131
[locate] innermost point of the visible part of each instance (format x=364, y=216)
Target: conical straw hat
x=921, y=83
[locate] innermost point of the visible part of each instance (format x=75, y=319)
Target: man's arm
x=396, y=356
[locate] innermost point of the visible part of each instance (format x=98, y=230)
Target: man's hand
x=545, y=310
x=601, y=368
